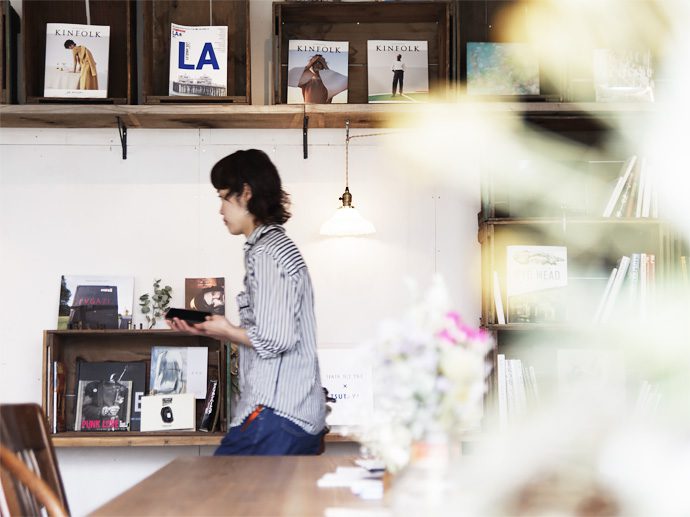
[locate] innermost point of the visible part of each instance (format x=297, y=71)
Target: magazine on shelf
x=95, y=302
x=397, y=71
x=76, y=64
x=132, y=371
x=536, y=279
x=103, y=405
x=623, y=75
x=179, y=369
x=198, y=60
x=205, y=294
x=502, y=69
x=317, y=72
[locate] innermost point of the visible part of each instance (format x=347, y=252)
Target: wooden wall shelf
x=82, y=439
x=173, y=116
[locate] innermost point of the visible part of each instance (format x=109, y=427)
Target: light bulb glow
x=347, y=221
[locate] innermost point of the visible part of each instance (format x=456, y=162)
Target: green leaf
x=145, y=310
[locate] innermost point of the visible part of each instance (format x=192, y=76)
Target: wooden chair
x=25, y=443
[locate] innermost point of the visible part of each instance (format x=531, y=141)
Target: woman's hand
x=215, y=326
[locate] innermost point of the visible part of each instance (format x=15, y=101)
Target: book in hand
x=103, y=405
x=76, y=64
x=205, y=294
x=187, y=315
x=209, y=419
x=198, y=60
x=317, y=72
x=536, y=279
x=133, y=371
x=397, y=71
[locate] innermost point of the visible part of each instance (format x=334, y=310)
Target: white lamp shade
x=347, y=221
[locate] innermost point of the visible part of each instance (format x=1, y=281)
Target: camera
x=166, y=410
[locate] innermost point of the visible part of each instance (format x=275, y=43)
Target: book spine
x=624, y=201
x=210, y=407
x=502, y=391
x=498, y=300
x=605, y=296
x=616, y=287
x=622, y=180
x=643, y=185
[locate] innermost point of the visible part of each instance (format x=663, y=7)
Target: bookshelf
x=560, y=203
x=357, y=22
x=70, y=346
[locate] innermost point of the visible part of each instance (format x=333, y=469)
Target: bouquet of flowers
x=429, y=378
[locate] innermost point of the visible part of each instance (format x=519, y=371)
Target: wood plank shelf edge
x=78, y=439
x=283, y=116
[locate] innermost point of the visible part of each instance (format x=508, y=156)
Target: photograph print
x=317, y=72
x=502, y=69
x=398, y=71
x=205, y=294
x=76, y=62
x=95, y=302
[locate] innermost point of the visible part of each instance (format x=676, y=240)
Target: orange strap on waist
x=252, y=416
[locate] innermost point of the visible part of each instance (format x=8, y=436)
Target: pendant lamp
x=347, y=221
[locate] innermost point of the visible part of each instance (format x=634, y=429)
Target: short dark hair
x=69, y=42
x=269, y=202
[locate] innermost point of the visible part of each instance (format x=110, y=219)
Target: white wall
x=69, y=204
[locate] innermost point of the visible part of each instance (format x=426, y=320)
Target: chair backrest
x=18, y=481
x=24, y=432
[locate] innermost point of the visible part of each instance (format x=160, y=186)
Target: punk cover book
x=536, y=280
x=134, y=371
x=76, y=64
x=198, y=60
x=103, y=405
x=317, y=72
x=397, y=71
x=205, y=294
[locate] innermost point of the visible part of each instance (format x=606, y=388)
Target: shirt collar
x=259, y=232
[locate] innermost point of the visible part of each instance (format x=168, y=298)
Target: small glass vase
x=424, y=485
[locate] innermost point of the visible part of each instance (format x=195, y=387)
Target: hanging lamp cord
x=347, y=148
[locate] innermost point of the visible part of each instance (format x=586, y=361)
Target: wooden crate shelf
x=119, y=15
x=159, y=14
x=357, y=22
x=69, y=347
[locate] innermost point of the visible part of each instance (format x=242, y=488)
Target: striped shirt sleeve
x=275, y=299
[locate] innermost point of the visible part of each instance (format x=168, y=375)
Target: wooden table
x=238, y=485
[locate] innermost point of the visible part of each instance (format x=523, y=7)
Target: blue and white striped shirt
x=281, y=369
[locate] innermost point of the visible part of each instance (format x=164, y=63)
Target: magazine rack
x=9, y=28
x=159, y=14
x=67, y=346
x=357, y=22
x=118, y=14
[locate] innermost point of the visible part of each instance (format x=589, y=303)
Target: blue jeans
x=268, y=435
